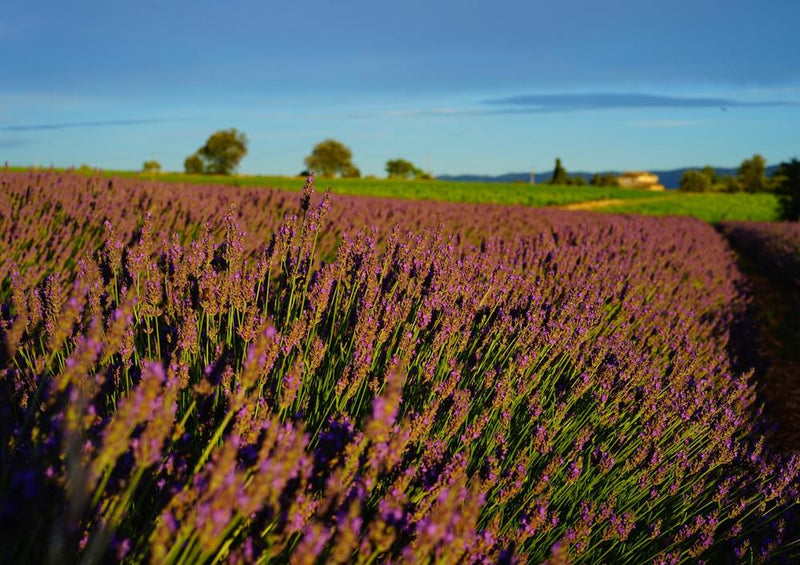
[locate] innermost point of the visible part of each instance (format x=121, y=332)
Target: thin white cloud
x=571, y=102
x=761, y=92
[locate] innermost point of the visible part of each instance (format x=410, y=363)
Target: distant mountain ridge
x=669, y=178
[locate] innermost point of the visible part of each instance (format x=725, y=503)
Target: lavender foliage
x=371, y=381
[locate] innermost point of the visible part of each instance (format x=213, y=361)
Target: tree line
x=330, y=158
x=224, y=150
x=560, y=177
x=750, y=177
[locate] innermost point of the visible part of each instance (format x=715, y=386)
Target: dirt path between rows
x=607, y=202
x=593, y=204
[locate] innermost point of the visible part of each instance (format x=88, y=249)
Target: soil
x=593, y=204
x=606, y=202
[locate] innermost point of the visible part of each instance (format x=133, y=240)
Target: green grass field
x=710, y=207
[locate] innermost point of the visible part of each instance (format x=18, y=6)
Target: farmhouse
x=639, y=179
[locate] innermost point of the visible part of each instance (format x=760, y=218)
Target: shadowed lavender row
x=775, y=246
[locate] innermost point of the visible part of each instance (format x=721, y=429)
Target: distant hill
x=670, y=178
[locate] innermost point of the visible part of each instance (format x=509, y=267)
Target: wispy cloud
x=569, y=102
x=87, y=124
x=546, y=103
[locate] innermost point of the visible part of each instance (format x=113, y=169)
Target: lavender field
x=204, y=374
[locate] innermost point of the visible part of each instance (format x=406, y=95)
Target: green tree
x=730, y=184
x=331, y=157
x=220, y=155
x=604, y=180
x=712, y=175
x=151, y=166
x=695, y=181
x=559, y=174
x=400, y=168
x=351, y=172
x=787, y=179
x=194, y=165
x=752, y=174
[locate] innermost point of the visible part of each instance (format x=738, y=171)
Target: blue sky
x=455, y=87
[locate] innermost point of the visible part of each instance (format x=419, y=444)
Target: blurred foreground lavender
x=453, y=384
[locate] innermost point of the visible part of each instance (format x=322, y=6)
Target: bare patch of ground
x=593, y=204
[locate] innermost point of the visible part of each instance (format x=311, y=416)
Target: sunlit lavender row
x=211, y=374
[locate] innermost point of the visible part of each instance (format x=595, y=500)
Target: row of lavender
x=516, y=385
x=71, y=212
x=776, y=246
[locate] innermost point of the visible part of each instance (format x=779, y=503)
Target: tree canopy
x=561, y=178
x=220, y=155
x=193, y=165
x=330, y=158
x=750, y=177
x=403, y=169
x=400, y=168
x=711, y=173
x=788, y=181
x=151, y=166
x=559, y=174
x=695, y=181
x=604, y=179
x=752, y=174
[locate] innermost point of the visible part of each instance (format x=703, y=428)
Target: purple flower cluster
x=371, y=381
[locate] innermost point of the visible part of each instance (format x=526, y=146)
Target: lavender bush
x=371, y=382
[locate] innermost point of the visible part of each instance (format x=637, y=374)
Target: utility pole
x=533, y=176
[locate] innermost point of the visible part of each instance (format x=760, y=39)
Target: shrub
x=695, y=181
x=787, y=179
x=151, y=167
